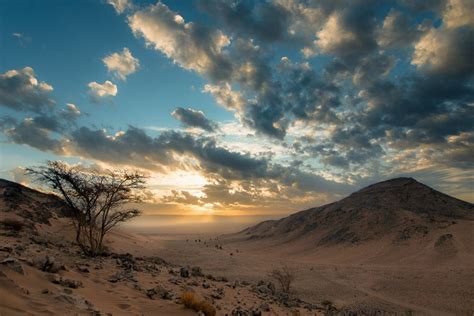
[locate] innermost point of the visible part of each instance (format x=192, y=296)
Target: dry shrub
x=13, y=224
x=284, y=277
x=190, y=300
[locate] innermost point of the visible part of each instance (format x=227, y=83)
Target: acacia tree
x=97, y=200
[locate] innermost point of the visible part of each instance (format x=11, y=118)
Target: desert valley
x=237, y=157
x=371, y=253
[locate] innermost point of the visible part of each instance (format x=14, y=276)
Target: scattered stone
x=221, y=279
x=206, y=285
x=6, y=249
x=48, y=264
x=240, y=311
x=265, y=307
x=196, y=272
x=184, y=272
x=175, y=280
x=45, y=291
x=67, y=291
x=193, y=283
x=160, y=292
x=122, y=275
x=82, y=269
x=218, y=293
x=73, y=284
x=13, y=264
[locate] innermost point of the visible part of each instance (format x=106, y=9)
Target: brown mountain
x=401, y=209
x=34, y=206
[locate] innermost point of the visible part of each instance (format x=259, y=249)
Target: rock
x=218, y=293
x=221, y=279
x=45, y=291
x=206, y=285
x=122, y=275
x=82, y=269
x=13, y=264
x=160, y=292
x=175, y=280
x=196, y=272
x=255, y=311
x=73, y=284
x=126, y=261
x=48, y=264
x=6, y=249
x=184, y=272
x=240, y=311
x=193, y=283
x=265, y=307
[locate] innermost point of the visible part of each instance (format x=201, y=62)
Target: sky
x=241, y=107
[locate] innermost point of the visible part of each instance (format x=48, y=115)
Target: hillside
x=400, y=209
x=42, y=271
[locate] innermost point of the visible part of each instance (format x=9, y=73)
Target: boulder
x=13, y=264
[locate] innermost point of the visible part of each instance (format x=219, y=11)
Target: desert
x=382, y=272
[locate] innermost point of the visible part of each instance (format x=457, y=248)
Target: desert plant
x=190, y=300
x=284, y=276
x=97, y=200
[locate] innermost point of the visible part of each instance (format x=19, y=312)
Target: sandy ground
x=114, y=285
x=366, y=278
x=370, y=279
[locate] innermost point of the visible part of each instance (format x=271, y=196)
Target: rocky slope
x=399, y=209
x=42, y=271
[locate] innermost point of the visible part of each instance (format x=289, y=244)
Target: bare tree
x=284, y=277
x=97, y=200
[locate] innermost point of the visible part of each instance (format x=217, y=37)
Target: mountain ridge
x=402, y=207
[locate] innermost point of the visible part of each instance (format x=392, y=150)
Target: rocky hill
x=401, y=209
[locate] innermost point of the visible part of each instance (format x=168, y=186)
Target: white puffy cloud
x=120, y=5
x=99, y=91
x=192, y=46
x=225, y=96
x=121, y=64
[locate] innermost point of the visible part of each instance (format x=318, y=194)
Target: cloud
x=459, y=13
x=348, y=32
x=35, y=132
x=121, y=64
x=20, y=90
x=225, y=96
x=446, y=51
x=267, y=22
x=99, y=91
x=398, y=30
x=71, y=112
x=22, y=38
x=120, y=6
x=194, y=118
x=192, y=46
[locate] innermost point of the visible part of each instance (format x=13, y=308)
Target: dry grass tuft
x=190, y=300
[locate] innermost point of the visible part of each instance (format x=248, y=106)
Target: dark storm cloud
x=194, y=118
x=398, y=30
x=264, y=21
x=20, y=90
x=134, y=147
x=36, y=133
